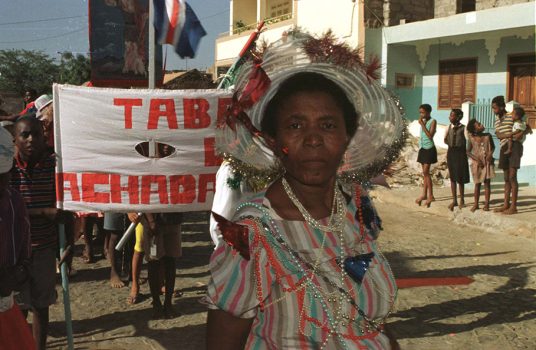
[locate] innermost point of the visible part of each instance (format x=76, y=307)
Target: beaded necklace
x=335, y=223
x=307, y=286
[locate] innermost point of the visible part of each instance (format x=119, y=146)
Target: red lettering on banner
x=223, y=105
x=88, y=188
x=132, y=189
x=169, y=112
x=204, y=181
x=211, y=158
x=61, y=179
x=181, y=189
x=128, y=103
x=146, y=188
x=195, y=113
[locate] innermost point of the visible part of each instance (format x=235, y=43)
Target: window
x=280, y=8
x=463, y=6
x=457, y=82
x=404, y=81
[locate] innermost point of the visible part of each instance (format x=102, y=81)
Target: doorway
x=522, y=84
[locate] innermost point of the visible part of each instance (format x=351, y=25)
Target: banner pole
x=152, y=47
x=65, y=290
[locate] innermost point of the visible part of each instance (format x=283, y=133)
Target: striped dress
x=291, y=282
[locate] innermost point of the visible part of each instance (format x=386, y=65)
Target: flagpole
x=152, y=46
x=252, y=40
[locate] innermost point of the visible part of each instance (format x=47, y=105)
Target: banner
x=136, y=150
x=118, y=43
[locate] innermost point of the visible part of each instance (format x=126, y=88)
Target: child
x=162, y=245
x=519, y=127
x=457, y=157
x=427, y=152
x=480, y=150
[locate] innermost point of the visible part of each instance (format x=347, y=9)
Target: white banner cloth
x=99, y=167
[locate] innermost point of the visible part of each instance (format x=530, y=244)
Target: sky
x=62, y=25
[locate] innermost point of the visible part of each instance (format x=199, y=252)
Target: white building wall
x=314, y=16
x=341, y=16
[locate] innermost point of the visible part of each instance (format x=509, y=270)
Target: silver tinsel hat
x=382, y=129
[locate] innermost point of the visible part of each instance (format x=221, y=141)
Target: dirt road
x=496, y=311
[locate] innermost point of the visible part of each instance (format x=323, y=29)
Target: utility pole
x=152, y=46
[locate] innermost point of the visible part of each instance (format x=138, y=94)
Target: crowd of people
x=474, y=143
x=29, y=227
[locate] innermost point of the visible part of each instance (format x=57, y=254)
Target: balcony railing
x=239, y=27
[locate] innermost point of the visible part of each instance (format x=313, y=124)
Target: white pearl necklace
x=335, y=222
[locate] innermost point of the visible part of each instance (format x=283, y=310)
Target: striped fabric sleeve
x=233, y=284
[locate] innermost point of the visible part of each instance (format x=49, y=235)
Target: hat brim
x=381, y=132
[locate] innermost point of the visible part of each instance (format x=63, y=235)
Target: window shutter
x=469, y=85
x=444, y=91
x=457, y=82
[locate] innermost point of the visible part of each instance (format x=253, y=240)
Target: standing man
x=33, y=176
x=508, y=162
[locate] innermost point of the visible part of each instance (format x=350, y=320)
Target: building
x=462, y=51
x=343, y=17
x=468, y=51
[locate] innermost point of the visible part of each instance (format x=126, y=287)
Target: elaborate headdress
x=382, y=130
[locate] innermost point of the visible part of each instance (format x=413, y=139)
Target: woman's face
x=310, y=137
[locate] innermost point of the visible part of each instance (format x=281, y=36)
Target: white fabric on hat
x=7, y=151
x=41, y=102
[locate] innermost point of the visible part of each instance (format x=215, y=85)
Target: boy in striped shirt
x=509, y=162
x=33, y=176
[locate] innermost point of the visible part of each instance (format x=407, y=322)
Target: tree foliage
x=74, y=69
x=20, y=69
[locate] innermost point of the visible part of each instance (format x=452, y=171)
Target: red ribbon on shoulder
x=236, y=235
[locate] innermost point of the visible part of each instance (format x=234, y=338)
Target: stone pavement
x=496, y=311
x=521, y=224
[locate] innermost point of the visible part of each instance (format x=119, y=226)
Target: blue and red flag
x=177, y=24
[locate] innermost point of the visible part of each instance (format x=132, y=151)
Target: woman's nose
x=314, y=139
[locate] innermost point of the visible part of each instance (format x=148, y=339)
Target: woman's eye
x=294, y=126
x=329, y=126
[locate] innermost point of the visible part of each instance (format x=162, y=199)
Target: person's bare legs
x=514, y=189
x=509, y=149
x=454, y=196
x=40, y=327
x=476, y=198
x=106, y=243
x=115, y=281
x=461, y=190
x=136, y=269
x=153, y=268
x=487, y=194
x=428, y=184
x=169, y=266
x=507, y=190
x=422, y=197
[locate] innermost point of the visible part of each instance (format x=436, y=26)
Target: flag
x=177, y=24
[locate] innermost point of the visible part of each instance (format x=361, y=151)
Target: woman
x=427, y=152
x=301, y=268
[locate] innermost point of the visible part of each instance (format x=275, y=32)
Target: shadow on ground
x=509, y=303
